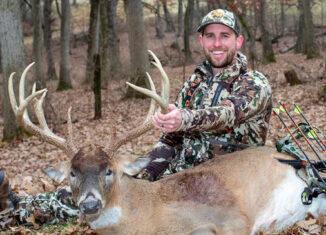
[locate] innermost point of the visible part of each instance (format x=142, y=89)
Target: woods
x=85, y=51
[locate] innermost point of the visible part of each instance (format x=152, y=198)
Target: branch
x=58, y=9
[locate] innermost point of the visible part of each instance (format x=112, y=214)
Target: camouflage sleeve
x=250, y=96
x=166, y=148
x=161, y=155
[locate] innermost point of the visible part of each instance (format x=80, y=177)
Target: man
x=223, y=107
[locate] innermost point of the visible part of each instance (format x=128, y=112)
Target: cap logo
x=220, y=16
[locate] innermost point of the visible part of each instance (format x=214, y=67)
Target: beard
x=220, y=63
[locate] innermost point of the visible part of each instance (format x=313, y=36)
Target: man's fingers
x=171, y=107
x=159, y=120
x=166, y=117
x=169, y=122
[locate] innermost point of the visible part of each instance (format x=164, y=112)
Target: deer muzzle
x=90, y=205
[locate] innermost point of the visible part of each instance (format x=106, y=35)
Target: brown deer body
x=238, y=193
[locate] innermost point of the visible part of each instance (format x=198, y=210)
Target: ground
x=23, y=160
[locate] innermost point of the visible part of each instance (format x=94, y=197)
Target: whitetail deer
x=238, y=193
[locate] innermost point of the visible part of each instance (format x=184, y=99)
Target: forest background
x=285, y=40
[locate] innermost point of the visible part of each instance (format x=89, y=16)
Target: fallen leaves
x=310, y=226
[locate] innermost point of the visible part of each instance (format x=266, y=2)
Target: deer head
x=93, y=171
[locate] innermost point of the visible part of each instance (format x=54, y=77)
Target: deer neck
x=127, y=203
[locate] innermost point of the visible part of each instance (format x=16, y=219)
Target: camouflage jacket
x=224, y=111
x=43, y=208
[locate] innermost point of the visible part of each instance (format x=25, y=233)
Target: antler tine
x=22, y=83
x=70, y=142
x=38, y=107
x=152, y=106
x=151, y=93
x=23, y=119
x=165, y=83
x=163, y=101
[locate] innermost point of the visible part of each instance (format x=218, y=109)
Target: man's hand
x=169, y=122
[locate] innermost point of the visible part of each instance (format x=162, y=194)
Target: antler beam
x=24, y=121
x=162, y=100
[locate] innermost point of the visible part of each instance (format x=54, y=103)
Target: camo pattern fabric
x=239, y=117
x=220, y=16
x=45, y=208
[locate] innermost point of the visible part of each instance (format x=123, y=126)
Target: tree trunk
x=105, y=41
x=180, y=18
x=13, y=60
x=268, y=53
x=158, y=21
x=97, y=87
x=249, y=30
x=282, y=18
x=252, y=38
x=322, y=12
x=139, y=62
x=26, y=12
x=197, y=13
x=114, y=51
x=47, y=14
x=169, y=22
x=187, y=31
x=64, y=77
x=38, y=44
x=306, y=41
x=93, y=40
x=211, y=5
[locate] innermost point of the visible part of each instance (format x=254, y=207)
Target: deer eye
x=72, y=174
x=109, y=172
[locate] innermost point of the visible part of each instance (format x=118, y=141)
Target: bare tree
x=38, y=44
x=268, y=53
x=158, y=21
x=211, y=5
x=47, y=15
x=104, y=41
x=64, y=77
x=306, y=41
x=93, y=40
x=180, y=18
x=197, y=14
x=169, y=22
x=282, y=17
x=187, y=31
x=12, y=60
x=139, y=63
x=114, y=52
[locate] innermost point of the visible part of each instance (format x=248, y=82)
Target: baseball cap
x=220, y=16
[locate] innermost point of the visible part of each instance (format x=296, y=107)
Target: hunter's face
x=220, y=45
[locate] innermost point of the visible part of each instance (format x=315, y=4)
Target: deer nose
x=90, y=205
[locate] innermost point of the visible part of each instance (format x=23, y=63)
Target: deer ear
x=58, y=172
x=133, y=168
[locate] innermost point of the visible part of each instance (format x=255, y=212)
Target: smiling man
x=223, y=107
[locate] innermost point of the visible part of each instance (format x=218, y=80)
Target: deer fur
x=239, y=193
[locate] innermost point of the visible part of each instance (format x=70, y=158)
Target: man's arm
x=250, y=96
x=166, y=148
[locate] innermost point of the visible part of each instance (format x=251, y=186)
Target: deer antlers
x=23, y=119
x=162, y=100
x=43, y=131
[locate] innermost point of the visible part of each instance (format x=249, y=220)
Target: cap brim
x=201, y=27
